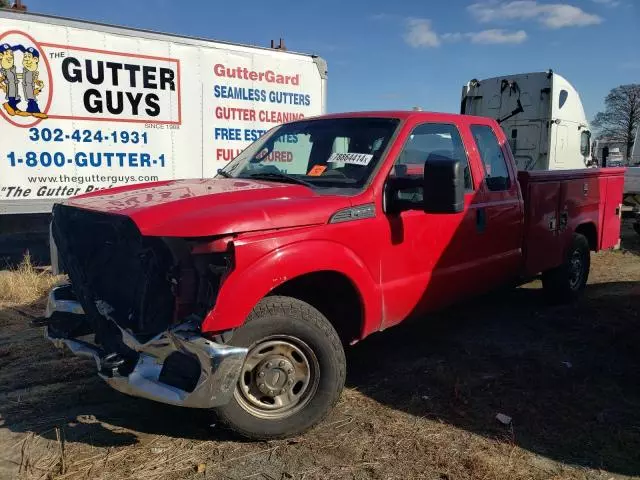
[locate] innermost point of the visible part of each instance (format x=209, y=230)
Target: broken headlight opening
x=142, y=298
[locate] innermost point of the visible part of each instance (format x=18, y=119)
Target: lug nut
x=261, y=374
x=290, y=382
x=281, y=364
x=261, y=386
x=268, y=365
x=290, y=371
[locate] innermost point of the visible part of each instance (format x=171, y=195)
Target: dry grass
x=25, y=283
x=420, y=403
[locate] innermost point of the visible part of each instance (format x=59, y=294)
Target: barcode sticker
x=352, y=158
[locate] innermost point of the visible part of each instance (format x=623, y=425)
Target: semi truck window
x=496, y=171
x=562, y=98
x=432, y=139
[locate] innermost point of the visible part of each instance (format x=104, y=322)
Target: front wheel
x=293, y=374
x=566, y=282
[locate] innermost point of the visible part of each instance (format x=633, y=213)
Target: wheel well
x=334, y=295
x=589, y=231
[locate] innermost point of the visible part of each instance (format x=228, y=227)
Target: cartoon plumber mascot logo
x=90, y=84
x=27, y=82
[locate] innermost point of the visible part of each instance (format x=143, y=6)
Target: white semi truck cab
x=542, y=115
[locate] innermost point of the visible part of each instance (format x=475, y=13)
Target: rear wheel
x=293, y=374
x=566, y=282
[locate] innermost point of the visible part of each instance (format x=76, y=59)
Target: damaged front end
x=135, y=305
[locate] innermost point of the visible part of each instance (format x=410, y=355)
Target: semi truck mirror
x=443, y=185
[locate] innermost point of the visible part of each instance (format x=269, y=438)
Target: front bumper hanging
x=220, y=365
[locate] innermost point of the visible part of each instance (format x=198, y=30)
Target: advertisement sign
x=83, y=110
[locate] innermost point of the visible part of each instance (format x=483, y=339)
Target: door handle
x=481, y=219
x=564, y=219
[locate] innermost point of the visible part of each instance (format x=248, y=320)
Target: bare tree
x=621, y=116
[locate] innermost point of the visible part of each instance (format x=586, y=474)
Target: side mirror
x=403, y=192
x=438, y=188
x=443, y=185
x=585, y=143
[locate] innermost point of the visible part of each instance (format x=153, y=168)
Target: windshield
x=337, y=152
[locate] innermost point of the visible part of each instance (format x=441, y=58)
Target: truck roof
x=406, y=114
x=548, y=74
x=139, y=32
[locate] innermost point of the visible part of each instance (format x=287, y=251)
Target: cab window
x=431, y=139
x=495, y=165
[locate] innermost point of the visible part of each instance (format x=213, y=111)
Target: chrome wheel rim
x=279, y=377
x=575, y=270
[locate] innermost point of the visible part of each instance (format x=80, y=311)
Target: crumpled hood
x=198, y=208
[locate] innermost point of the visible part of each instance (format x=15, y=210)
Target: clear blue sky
x=397, y=54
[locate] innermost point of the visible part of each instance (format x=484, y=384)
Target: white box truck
x=542, y=115
x=86, y=106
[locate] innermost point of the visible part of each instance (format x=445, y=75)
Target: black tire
x=286, y=319
x=566, y=282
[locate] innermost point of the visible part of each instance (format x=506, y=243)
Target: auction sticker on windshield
x=317, y=170
x=352, y=158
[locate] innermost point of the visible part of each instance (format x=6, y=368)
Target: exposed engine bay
x=142, y=301
x=146, y=283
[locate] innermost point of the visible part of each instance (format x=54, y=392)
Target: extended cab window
x=495, y=165
x=441, y=139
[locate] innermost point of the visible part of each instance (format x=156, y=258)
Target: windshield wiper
x=224, y=174
x=281, y=176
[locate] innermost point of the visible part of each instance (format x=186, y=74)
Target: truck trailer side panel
x=86, y=106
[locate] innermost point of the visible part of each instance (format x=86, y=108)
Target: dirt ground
x=421, y=400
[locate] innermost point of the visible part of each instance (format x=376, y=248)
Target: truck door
x=428, y=260
x=498, y=211
x=561, y=148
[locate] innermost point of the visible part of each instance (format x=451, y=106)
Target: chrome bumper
x=220, y=365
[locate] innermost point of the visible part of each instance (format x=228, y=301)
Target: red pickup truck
x=238, y=293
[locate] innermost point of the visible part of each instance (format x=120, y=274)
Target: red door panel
x=426, y=262
x=542, y=201
x=500, y=243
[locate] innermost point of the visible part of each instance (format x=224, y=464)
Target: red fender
x=243, y=289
